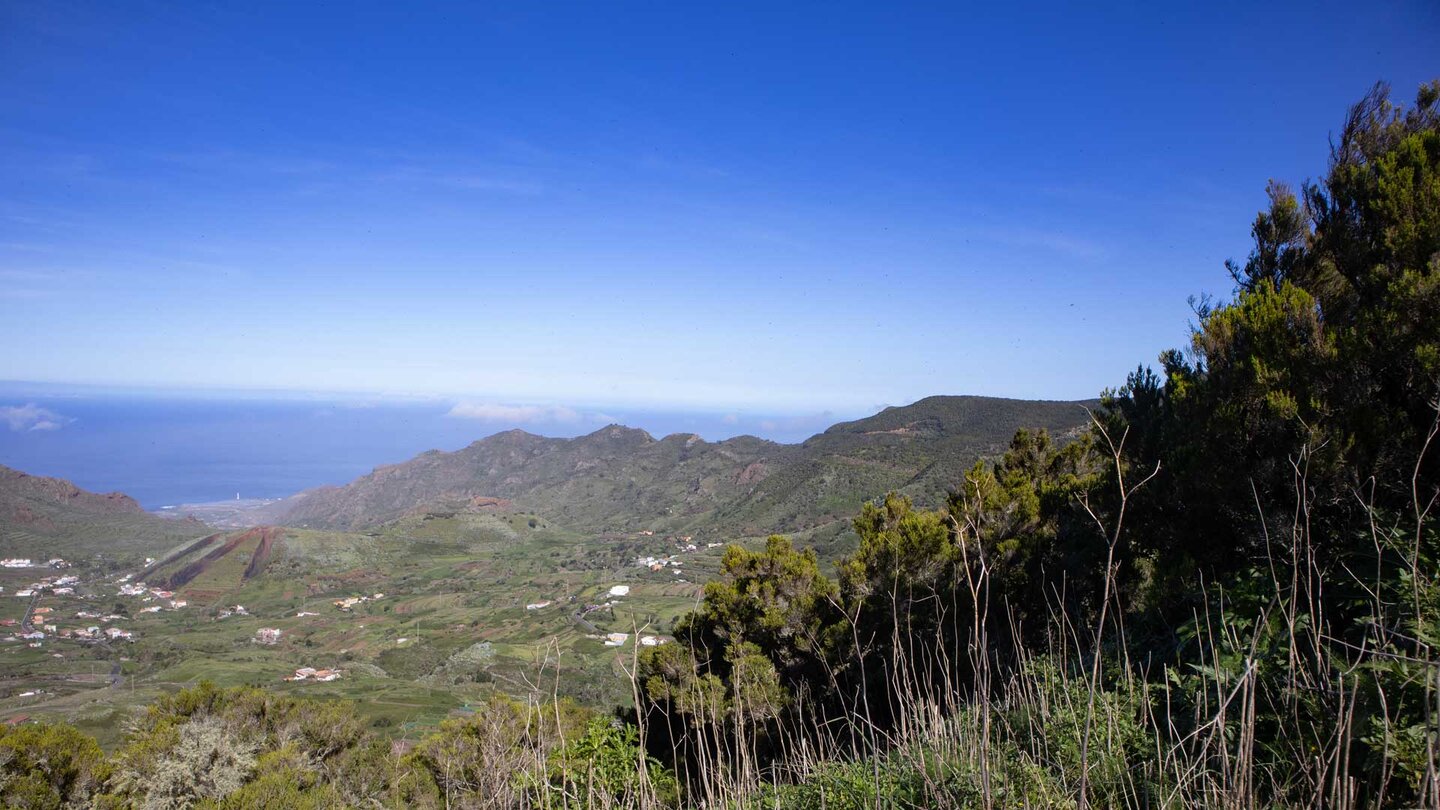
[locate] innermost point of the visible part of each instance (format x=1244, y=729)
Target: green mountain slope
x=46, y=517
x=620, y=478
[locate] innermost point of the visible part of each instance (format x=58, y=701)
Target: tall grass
x=1306, y=683
x=1274, y=701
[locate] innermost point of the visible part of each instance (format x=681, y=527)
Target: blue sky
x=772, y=207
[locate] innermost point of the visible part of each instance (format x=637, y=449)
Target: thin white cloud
x=523, y=414
x=31, y=417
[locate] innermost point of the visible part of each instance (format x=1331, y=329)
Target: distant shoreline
x=237, y=513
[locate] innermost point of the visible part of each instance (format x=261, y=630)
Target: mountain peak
x=507, y=437
x=618, y=432
x=62, y=491
x=52, y=516
x=617, y=474
x=687, y=439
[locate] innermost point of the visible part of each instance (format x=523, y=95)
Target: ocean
x=167, y=449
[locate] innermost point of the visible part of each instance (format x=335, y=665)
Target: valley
x=518, y=565
x=419, y=617
x=484, y=406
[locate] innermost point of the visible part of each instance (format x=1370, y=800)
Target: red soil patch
x=198, y=567
x=190, y=549
x=330, y=582
x=24, y=516
x=258, y=560
x=198, y=595
x=753, y=472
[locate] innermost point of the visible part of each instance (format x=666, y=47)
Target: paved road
x=25, y=624
x=580, y=620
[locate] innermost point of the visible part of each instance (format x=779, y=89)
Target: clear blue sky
x=728, y=205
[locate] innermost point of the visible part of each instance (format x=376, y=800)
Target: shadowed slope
x=52, y=516
x=623, y=478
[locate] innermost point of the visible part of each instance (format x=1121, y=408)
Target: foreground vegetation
x=1226, y=594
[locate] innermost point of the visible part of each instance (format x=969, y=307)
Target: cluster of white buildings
x=313, y=674
x=64, y=585
x=615, y=592
x=148, y=594
x=95, y=633
x=658, y=563
x=145, y=592
x=683, y=545
x=60, y=585
x=349, y=602
x=26, y=562
x=92, y=633
x=619, y=639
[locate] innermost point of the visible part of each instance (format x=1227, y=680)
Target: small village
x=25, y=562
x=349, y=603
x=88, y=609
x=682, y=544
x=42, y=622
x=316, y=675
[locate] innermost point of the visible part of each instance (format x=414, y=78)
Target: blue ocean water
x=169, y=449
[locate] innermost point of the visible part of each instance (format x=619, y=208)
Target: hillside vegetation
x=439, y=621
x=620, y=478
x=54, y=517
x=1224, y=593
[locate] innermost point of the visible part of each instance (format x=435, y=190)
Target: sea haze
x=167, y=448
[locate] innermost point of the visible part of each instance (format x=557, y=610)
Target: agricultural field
x=420, y=617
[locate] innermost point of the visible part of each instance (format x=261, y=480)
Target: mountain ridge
x=17, y=485
x=54, y=515
x=621, y=478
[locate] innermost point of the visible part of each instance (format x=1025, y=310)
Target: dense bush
x=1242, y=543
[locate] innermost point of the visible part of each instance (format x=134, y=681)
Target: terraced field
x=444, y=622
